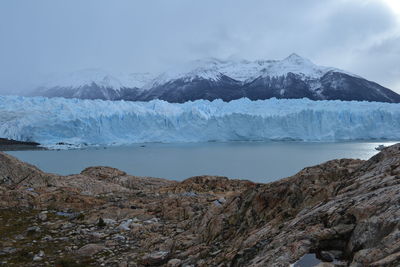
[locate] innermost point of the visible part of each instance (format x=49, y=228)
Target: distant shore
x=12, y=145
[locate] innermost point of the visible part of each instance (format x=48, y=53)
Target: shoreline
x=14, y=145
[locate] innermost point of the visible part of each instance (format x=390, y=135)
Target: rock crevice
x=343, y=212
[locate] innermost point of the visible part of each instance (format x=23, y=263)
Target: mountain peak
x=293, y=55
x=84, y=77
x=296, y=59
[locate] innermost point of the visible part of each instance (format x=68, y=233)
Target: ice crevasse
x=95, y=122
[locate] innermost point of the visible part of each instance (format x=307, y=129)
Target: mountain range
x=210, y=79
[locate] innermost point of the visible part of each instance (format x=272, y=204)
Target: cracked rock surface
x=344, y=212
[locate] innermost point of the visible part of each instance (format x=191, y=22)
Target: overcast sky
x=52, y=36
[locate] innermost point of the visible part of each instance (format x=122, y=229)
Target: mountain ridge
x=291, y=77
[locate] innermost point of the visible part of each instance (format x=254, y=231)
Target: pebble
x=124, y=226
x=109, y=221
x=42, y=216
x=39, y=256
x=33, y=229
x=119, y=237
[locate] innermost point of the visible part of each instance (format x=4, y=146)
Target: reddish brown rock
x=347, y=210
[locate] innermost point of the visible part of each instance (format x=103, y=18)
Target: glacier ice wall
x=50, y=121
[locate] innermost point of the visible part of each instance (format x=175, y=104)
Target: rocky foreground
x=344, y=212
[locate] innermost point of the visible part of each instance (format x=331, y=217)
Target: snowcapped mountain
x=243, y=70
x=292, y=77
x=93, y=84
x=85, y=77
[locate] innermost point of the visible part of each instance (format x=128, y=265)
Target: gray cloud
x=44, y=36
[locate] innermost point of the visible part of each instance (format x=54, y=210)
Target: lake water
x=256, y=161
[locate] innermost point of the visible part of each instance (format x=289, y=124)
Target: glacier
x=97, y=122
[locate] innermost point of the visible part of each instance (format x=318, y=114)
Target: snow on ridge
x=97, y=122
x=188, y=75
x=245, y=70
x=101, y=78
x=135, y=80
x=208, y=68
x=78, y=79
x=298, y=65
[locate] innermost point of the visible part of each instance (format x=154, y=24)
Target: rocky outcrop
x=344, y=213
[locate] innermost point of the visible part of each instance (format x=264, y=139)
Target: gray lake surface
x=257, y=161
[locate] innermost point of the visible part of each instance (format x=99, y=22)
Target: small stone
x=90, y=249
x=39, y=256
x=96, y=235
x=42, y=216
x=33, y=230
x=7, y=250
x=222, y=200
x=124, y=226
x=109, y=221
x=174, y=263
x=47, y=238
x=151, y=221
x=19, y=237
x=67, y=225
x=119, y=237
x=216, y=203
x=326, y=256
x=110, y=243
x=155, y=258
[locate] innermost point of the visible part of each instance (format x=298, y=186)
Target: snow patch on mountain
x=244, y=70
x=297, y=65
x=188, y=73
x=135, y=80
x=84, y=77
x=97, y=122
x=209, y=69
x=101, y=78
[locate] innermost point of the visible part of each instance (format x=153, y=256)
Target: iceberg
x=97, y=122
